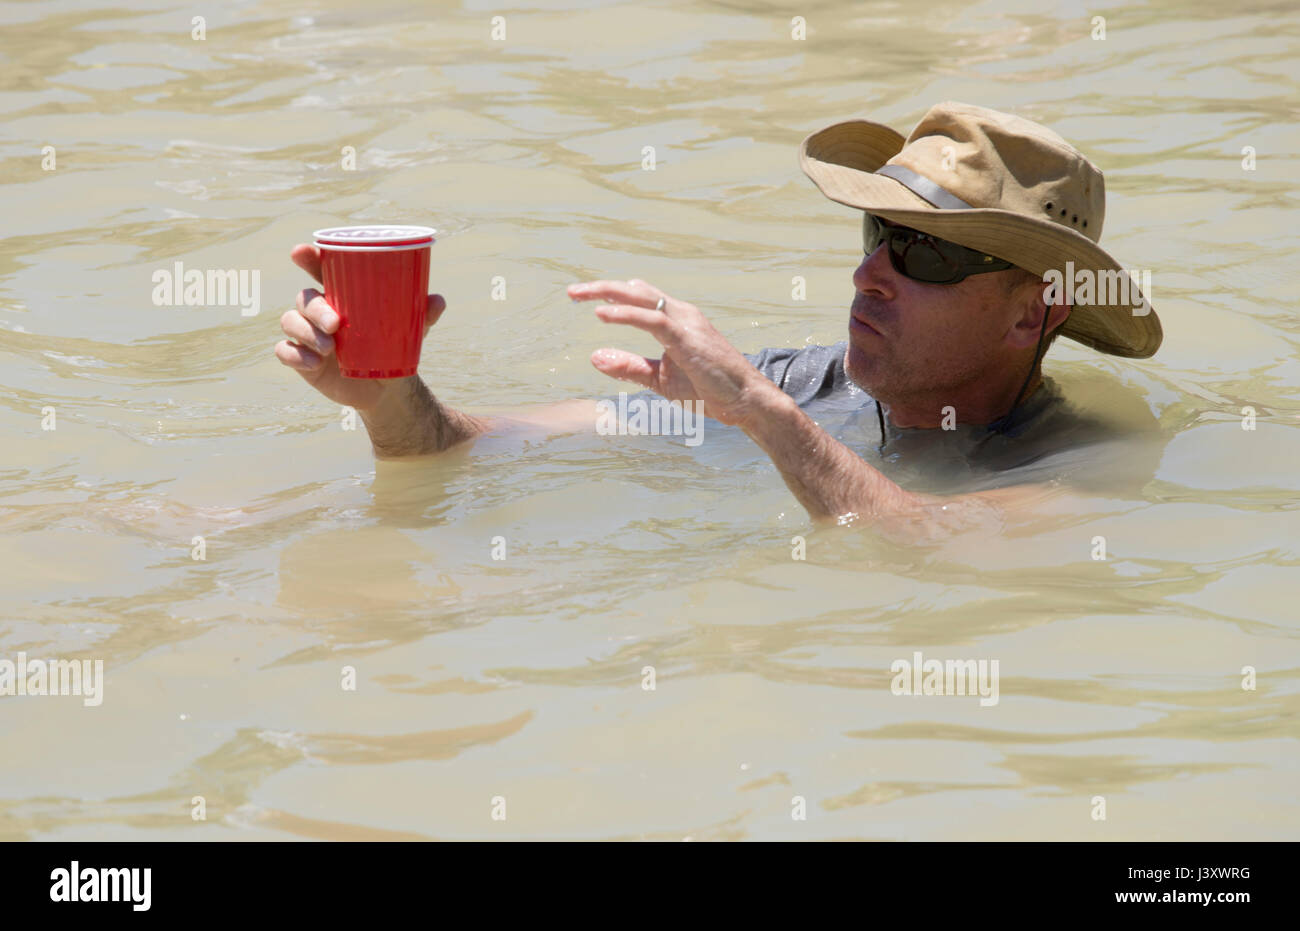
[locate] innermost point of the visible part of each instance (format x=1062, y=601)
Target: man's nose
x=874, y=273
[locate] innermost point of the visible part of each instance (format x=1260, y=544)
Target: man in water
x=976, y=229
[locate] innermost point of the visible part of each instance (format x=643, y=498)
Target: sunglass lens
x=923, y=257
x=911, y=252
x=920, y=258
x=872, y=232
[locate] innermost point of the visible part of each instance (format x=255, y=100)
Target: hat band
x=923, y=187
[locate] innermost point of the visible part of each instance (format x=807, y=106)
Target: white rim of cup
x=401, y=230
x=410, y=245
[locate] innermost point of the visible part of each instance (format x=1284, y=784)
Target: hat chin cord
x=1000, y=424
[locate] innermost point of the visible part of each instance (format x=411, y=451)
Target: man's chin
x=863, y=369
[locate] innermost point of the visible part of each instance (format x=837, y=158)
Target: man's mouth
x=862, y=324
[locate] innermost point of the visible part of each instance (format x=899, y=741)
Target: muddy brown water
x=522, y=679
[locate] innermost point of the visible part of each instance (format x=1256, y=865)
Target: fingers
x=654, y=322
x=307, y=257
x=299, y=329
x=299, y=358
x=636, y=292
x=314, y=320
x=633, y=303
x=436, y=306
x=650, y=292
x=310, y=325
x=627, y=366
x=311, y=304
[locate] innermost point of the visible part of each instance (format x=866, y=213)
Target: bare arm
x=402, y=416
x=834, y=484
x=831, y=481
x=409, y=421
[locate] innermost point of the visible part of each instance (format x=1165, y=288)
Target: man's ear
x=1032, y=302
x=1060, y=312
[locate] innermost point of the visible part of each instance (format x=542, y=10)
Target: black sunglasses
x=926, y=258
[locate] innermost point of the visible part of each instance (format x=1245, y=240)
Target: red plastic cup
x=377, y=279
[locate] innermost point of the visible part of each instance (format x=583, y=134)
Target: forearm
x=834, y=483
x=828, y=478
x=410, y=421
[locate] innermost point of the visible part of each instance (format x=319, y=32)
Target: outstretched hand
x=698, y=363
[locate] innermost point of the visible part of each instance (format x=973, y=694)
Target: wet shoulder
x=806, y=373
x=1061, y=440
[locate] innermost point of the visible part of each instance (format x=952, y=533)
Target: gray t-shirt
x=1045, y=439
x=1037, y=442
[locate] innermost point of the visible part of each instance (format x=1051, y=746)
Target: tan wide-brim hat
x=1000, y=184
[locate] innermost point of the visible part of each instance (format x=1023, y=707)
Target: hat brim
x=841, y=161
